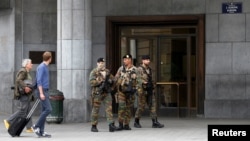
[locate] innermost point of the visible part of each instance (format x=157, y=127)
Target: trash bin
x=56, y=99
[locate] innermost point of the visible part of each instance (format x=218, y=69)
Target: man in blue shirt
x=42, y=80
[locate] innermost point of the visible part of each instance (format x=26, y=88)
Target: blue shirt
x=42, y=76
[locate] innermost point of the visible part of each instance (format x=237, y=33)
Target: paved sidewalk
x=176, y=129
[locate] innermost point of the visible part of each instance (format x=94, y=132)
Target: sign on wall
x=232, y=7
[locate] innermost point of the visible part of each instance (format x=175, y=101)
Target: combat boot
x=156, y=124
x=126, y=127
x=120, y=126
x=112, y=127
x=137, y=123
x=94, y=129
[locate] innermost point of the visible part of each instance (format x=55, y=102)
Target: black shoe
x=112, y=127
x=120, y=127
x=36, y=130
x=156, y=124
x=94, y=129
x=126, y=127
x=137, y=123
x=45, y=135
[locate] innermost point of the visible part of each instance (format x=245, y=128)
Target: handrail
x=170, y=83
x=178, y=90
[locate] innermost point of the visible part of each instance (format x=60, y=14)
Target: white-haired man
x=23, y=93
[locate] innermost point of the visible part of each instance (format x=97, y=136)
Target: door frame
x=113, y=56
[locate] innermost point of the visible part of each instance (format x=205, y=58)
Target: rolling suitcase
x=19, y=123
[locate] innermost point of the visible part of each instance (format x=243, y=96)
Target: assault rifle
x=149, y=95
x=129, y=87
x=105, y=85
x=149, y=88
x=129, y=90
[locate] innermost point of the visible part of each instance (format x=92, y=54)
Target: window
x=37, y=57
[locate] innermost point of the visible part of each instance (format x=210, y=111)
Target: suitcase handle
x=33, y=109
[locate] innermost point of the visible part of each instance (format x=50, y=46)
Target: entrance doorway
x=176, y=79
x=175, y=49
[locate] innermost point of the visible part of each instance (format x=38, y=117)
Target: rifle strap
x=149, y=74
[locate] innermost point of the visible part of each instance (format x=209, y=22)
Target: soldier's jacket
x=96, y=77
x=20, y=77
x=125, y=75
x=145, y=73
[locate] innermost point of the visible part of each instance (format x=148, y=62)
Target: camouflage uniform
x=126, y=77
x=97, y=77
x=145, y=98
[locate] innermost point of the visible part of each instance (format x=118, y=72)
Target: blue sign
x=232, y=7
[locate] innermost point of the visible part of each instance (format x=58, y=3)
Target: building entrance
x=174, y=50
x=176, y=76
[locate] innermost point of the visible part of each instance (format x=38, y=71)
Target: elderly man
x=23, y=93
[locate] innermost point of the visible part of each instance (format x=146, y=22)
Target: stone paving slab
x=176, y=129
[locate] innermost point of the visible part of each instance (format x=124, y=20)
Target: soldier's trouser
x=142, y=101
x=124, y=108
x=97, y=100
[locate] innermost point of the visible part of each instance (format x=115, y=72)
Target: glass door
x=173, y=61
x=176, y=75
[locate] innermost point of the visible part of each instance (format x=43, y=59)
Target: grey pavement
x=176, y=129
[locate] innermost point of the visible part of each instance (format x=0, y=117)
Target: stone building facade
x=76, y=31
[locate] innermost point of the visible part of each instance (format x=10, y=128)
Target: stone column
x=7, y=63
x=74, y=50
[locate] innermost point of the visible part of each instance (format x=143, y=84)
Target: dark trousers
x=24, y=108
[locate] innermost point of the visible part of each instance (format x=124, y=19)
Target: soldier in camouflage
x=127, y=84
x=147, y=96
x=101, y=81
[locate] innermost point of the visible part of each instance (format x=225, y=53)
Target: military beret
x=127, y=56
x=144, y=57
x=100, y=60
